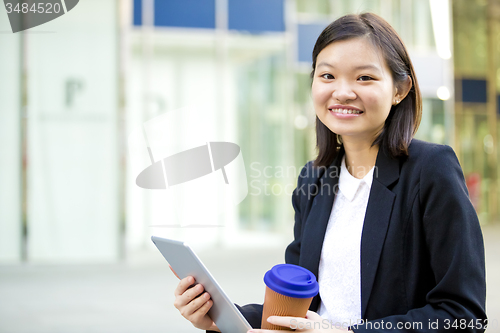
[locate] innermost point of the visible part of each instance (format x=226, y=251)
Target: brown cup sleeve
x=276, y=304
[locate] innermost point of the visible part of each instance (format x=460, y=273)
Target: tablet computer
x=185, y=262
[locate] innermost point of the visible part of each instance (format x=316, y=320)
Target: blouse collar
x=348, y=184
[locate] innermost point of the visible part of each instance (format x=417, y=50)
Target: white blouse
x=339, y=275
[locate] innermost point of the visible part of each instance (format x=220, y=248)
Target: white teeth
x=346, y=111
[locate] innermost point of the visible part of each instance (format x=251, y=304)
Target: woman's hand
x=313, y=323
x=193, y=304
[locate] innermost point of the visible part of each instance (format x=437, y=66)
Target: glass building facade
x=243, y=67
x=477, y=85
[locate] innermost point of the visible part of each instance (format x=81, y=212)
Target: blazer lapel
x=376, y=223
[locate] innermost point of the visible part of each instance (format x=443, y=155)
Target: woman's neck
x=360, y=157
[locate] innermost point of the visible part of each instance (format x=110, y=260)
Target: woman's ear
x=402, y=90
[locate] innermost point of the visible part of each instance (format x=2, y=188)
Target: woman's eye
x=365, y=78
x=327, y=76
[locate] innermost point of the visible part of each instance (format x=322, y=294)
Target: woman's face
x=352, y=89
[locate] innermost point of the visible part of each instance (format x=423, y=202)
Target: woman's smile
x=345, y=111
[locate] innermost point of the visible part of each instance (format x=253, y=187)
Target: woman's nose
x=343, y=92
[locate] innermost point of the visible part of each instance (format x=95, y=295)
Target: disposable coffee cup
x=289, y=292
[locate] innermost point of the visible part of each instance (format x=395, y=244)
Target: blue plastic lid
x=292, y=281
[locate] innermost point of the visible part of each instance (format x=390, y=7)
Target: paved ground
x=137, y=296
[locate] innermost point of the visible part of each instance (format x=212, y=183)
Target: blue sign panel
x=185, y=13
x=307, y=35
x=256, y=16
x=474, y=91
x=498, y=104
x=253, y=16
x=137, y=12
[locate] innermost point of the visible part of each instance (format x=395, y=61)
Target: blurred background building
x=73, y=89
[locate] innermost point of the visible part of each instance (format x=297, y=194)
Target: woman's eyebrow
x=373, y=67
x=324, y=64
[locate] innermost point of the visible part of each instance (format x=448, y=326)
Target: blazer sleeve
x=299, y=201
x=455, y=247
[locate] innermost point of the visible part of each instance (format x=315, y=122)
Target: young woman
x=383, y=221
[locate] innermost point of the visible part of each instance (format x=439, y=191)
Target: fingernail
x=269, y=319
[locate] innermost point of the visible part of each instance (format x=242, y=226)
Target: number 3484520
x=38, y=8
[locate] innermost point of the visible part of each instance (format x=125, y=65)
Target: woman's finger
x=290, y=322
x=313, y=316
x=196, y=303
x=183, y=285
x=193, y=292
x=188, y=297
x=191, y=307
x=203, y=309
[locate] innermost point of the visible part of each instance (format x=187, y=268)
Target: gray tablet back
x=185, y=262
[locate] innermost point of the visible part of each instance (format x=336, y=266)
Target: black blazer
x=422, y=252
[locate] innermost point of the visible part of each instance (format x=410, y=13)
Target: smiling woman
x=398, y=246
